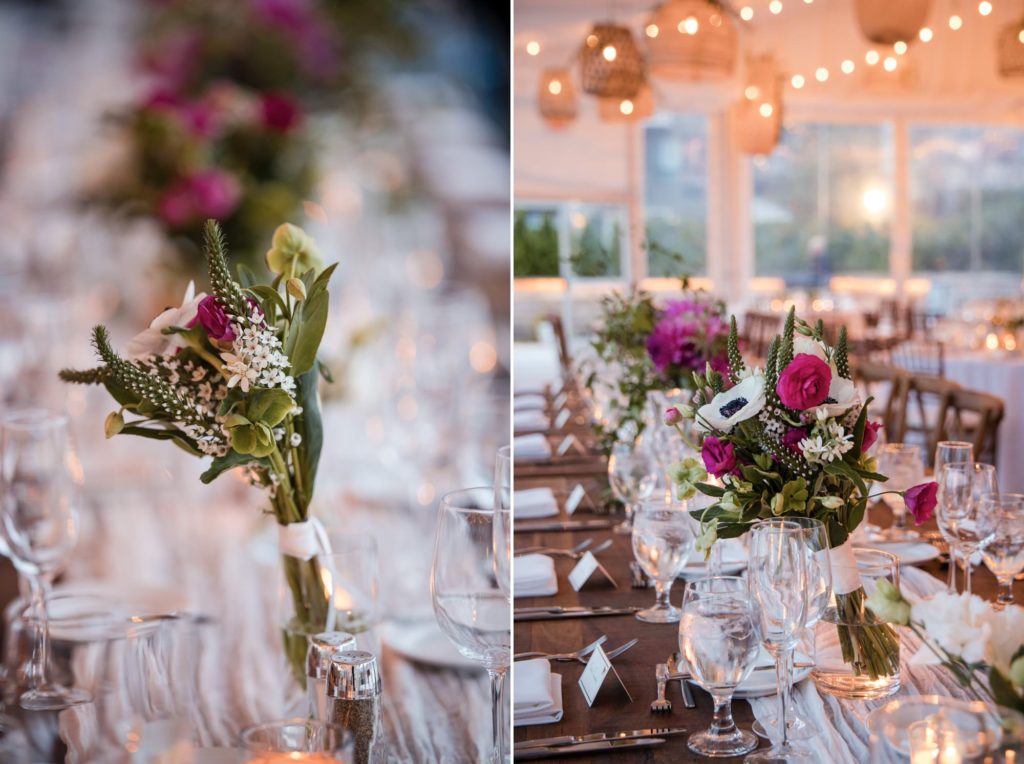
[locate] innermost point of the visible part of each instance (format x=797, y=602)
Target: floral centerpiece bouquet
x=233, y=376
x=651, y=348
x=793, y=439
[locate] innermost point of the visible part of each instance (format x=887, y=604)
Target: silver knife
x=545, y=615
x=608, y=746
x=601, y=737
x=563, y=525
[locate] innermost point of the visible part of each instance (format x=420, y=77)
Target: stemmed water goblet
x=38, y=524
x=719, y=637
x=901, y=463
x=502, y=525
x=951, y=452
x=633, y=476
x=1004, y=553
x=962, y=487
x=777, y=574
x=663, y=540
x=470, y=607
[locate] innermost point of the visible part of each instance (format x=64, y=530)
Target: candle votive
x=296, y=740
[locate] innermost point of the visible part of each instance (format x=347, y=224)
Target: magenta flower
x=804, y=383
x=206, y=194
x=671, y=344
x=719, y=458
x=214, y=320
x=279, y=112
x=921, y=501
x=870, y=435
x=673, y=416
x=792, y=438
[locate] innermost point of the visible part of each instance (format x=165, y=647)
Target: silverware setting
x=573, y=656
x=550, y=613
x=605, y=746
x=662, y=703
x=575, y=552
x=637, y=578
x=563, y=525
x=601, y=737
x=673, y=665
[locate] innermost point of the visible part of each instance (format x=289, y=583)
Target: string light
x=925, y=34
x=871, y=57
x=626, y=107
x=609, y=53
x=955, y=22
x=1020, y=36
x=890, y=64
x=766, y=110
x=847, y=66
x=899, y=47
x=984, y=7
x=775, y=6
x=746, y=13
x=752, y=92
x=555, y=87
x=821, y=74
x=798, y=81
x=652, y=30
x=689, y=25
x=533, y=47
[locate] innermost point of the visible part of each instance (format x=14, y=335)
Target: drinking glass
x=633, y=476
x=39, y=526
x=351, y=574
x=471, y=609
x=663, y=540
x=1004, y=553
x=962, y=486
x=281, y=740
x=901, y=463
x=777, y=574
x=951, y=452
x=503, y=519
x=718, y=635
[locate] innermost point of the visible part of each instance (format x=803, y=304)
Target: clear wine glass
x=503, y=520
x=663, y=540
x=951, y=452
x=962, y=486
x=901, y=463
x=1004, y=553
x=39, y=526
x=470, y=607
x=777, y=574
x=719, y=637
x=352, y=575
x=633, y=476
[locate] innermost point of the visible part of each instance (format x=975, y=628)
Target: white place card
x=562, y=418
x=573, y=502
x=597, y=670
x=585, y=568
x=570, y=442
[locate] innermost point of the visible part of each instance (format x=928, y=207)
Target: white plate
x=424, y=642
x=699, y=568
x=909, y=552
x=761, y=683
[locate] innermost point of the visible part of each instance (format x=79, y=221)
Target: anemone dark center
x=732, y=407
x=831, y=400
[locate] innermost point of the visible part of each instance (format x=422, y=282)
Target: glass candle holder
x=296, y=740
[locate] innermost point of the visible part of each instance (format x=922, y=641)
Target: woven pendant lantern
x=757, y=116
x=610, y=62
x=1010, y=50
x=691, y=40
x=886, y=22
x=633, y=109
x=556, y=97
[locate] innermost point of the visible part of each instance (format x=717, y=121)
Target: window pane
x=822, y=203
x=967, y=197
x=535, y=238
x=675, y=194
x=595, y=240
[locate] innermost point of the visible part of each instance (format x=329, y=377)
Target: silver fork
x=578, y=549
x=573, y=656
x=662, y=703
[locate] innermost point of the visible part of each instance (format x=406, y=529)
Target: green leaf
x=857, y=513
x=223, y=463
x=320, y=284
x=269, y=406
x=325, y=372
x=309, y=334
x=1002, y=690
x=176, y=436
x=310, y=426
x=858, y=431
x=268, y=297
x=711, y=490
x=246, y=276
x=121, y=394
x=732, y=530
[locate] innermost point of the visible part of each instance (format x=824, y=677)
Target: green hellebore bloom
x=293, y=250
x=707, y=538
x=888, y=604
x=792, y=497
x=254, y=438
x=729, y=503
x=830, y=502
x=686, y=474
x=113, y=424
x=1017, y=672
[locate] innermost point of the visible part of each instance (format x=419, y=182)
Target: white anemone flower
x=153, y=341
x=809, y=346
x=842, y=396
x=738, y=404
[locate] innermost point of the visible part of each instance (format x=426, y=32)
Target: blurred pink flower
x=279, y=112
x=206, y=194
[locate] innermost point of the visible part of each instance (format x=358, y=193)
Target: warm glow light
x=689, y=25
x=578, y=220
x=798, y=81
x=821, y=74
x=425, y=494
x=751, y=92
x=626, y=107
x=899, y=47
x=875, y=201
x=1020, y=36
x=955, y=22
x=652, y=30
x=483, y=356
x=984, y=7
x=591, y=40
x=715, y=19
x=1010, y=342
x=871, y=57
x=555, y=87
x=992, y=342
x=609, y=53
x=746, y=13
x=533, y=47
x=847, y=66
x=890, y=64
x=775, y=6
x=766, y=110
x=925, y=34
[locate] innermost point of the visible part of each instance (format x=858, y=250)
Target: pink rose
x=214, y=320
x=804, y=383
x=792, y=438
x=279, y=112
x=719, y=458
x=673, y=416
x=921, y=501
x=870, y=435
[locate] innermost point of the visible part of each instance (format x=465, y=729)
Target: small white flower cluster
x=256, y=358
x=827, y=442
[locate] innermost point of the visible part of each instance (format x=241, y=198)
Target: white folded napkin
x=537, y=693
x=532, y=419
x=531, y=447
x=534, y=576
x=532, y=503
x=530, y=402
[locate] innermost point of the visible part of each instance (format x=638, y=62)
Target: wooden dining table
x=613, y=710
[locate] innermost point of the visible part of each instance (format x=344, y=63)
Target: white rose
x=958, y=623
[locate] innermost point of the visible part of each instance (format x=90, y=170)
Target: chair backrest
x=888, y=386
x=928, y=403
x=562, y=342
x=758, y=330
x=920, y=357
x=975, y=415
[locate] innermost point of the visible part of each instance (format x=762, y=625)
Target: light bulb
x=890, y=64
x=925, y=34
x=955, y=22
x=626, y=107
x=798, y=81
x=847, y=66
x=766, y=110
x=899, y=47
x=871, y=57
x=533, y=47
x=689, y=25
x=746, y=13
x=775, y=6
x=652, y=30
x=554, y=87
x=984, y=7
x=821, y=74
x=609, y=53
x=751, y=92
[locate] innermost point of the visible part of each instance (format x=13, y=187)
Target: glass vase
x=305, y=606
x=857, y=656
